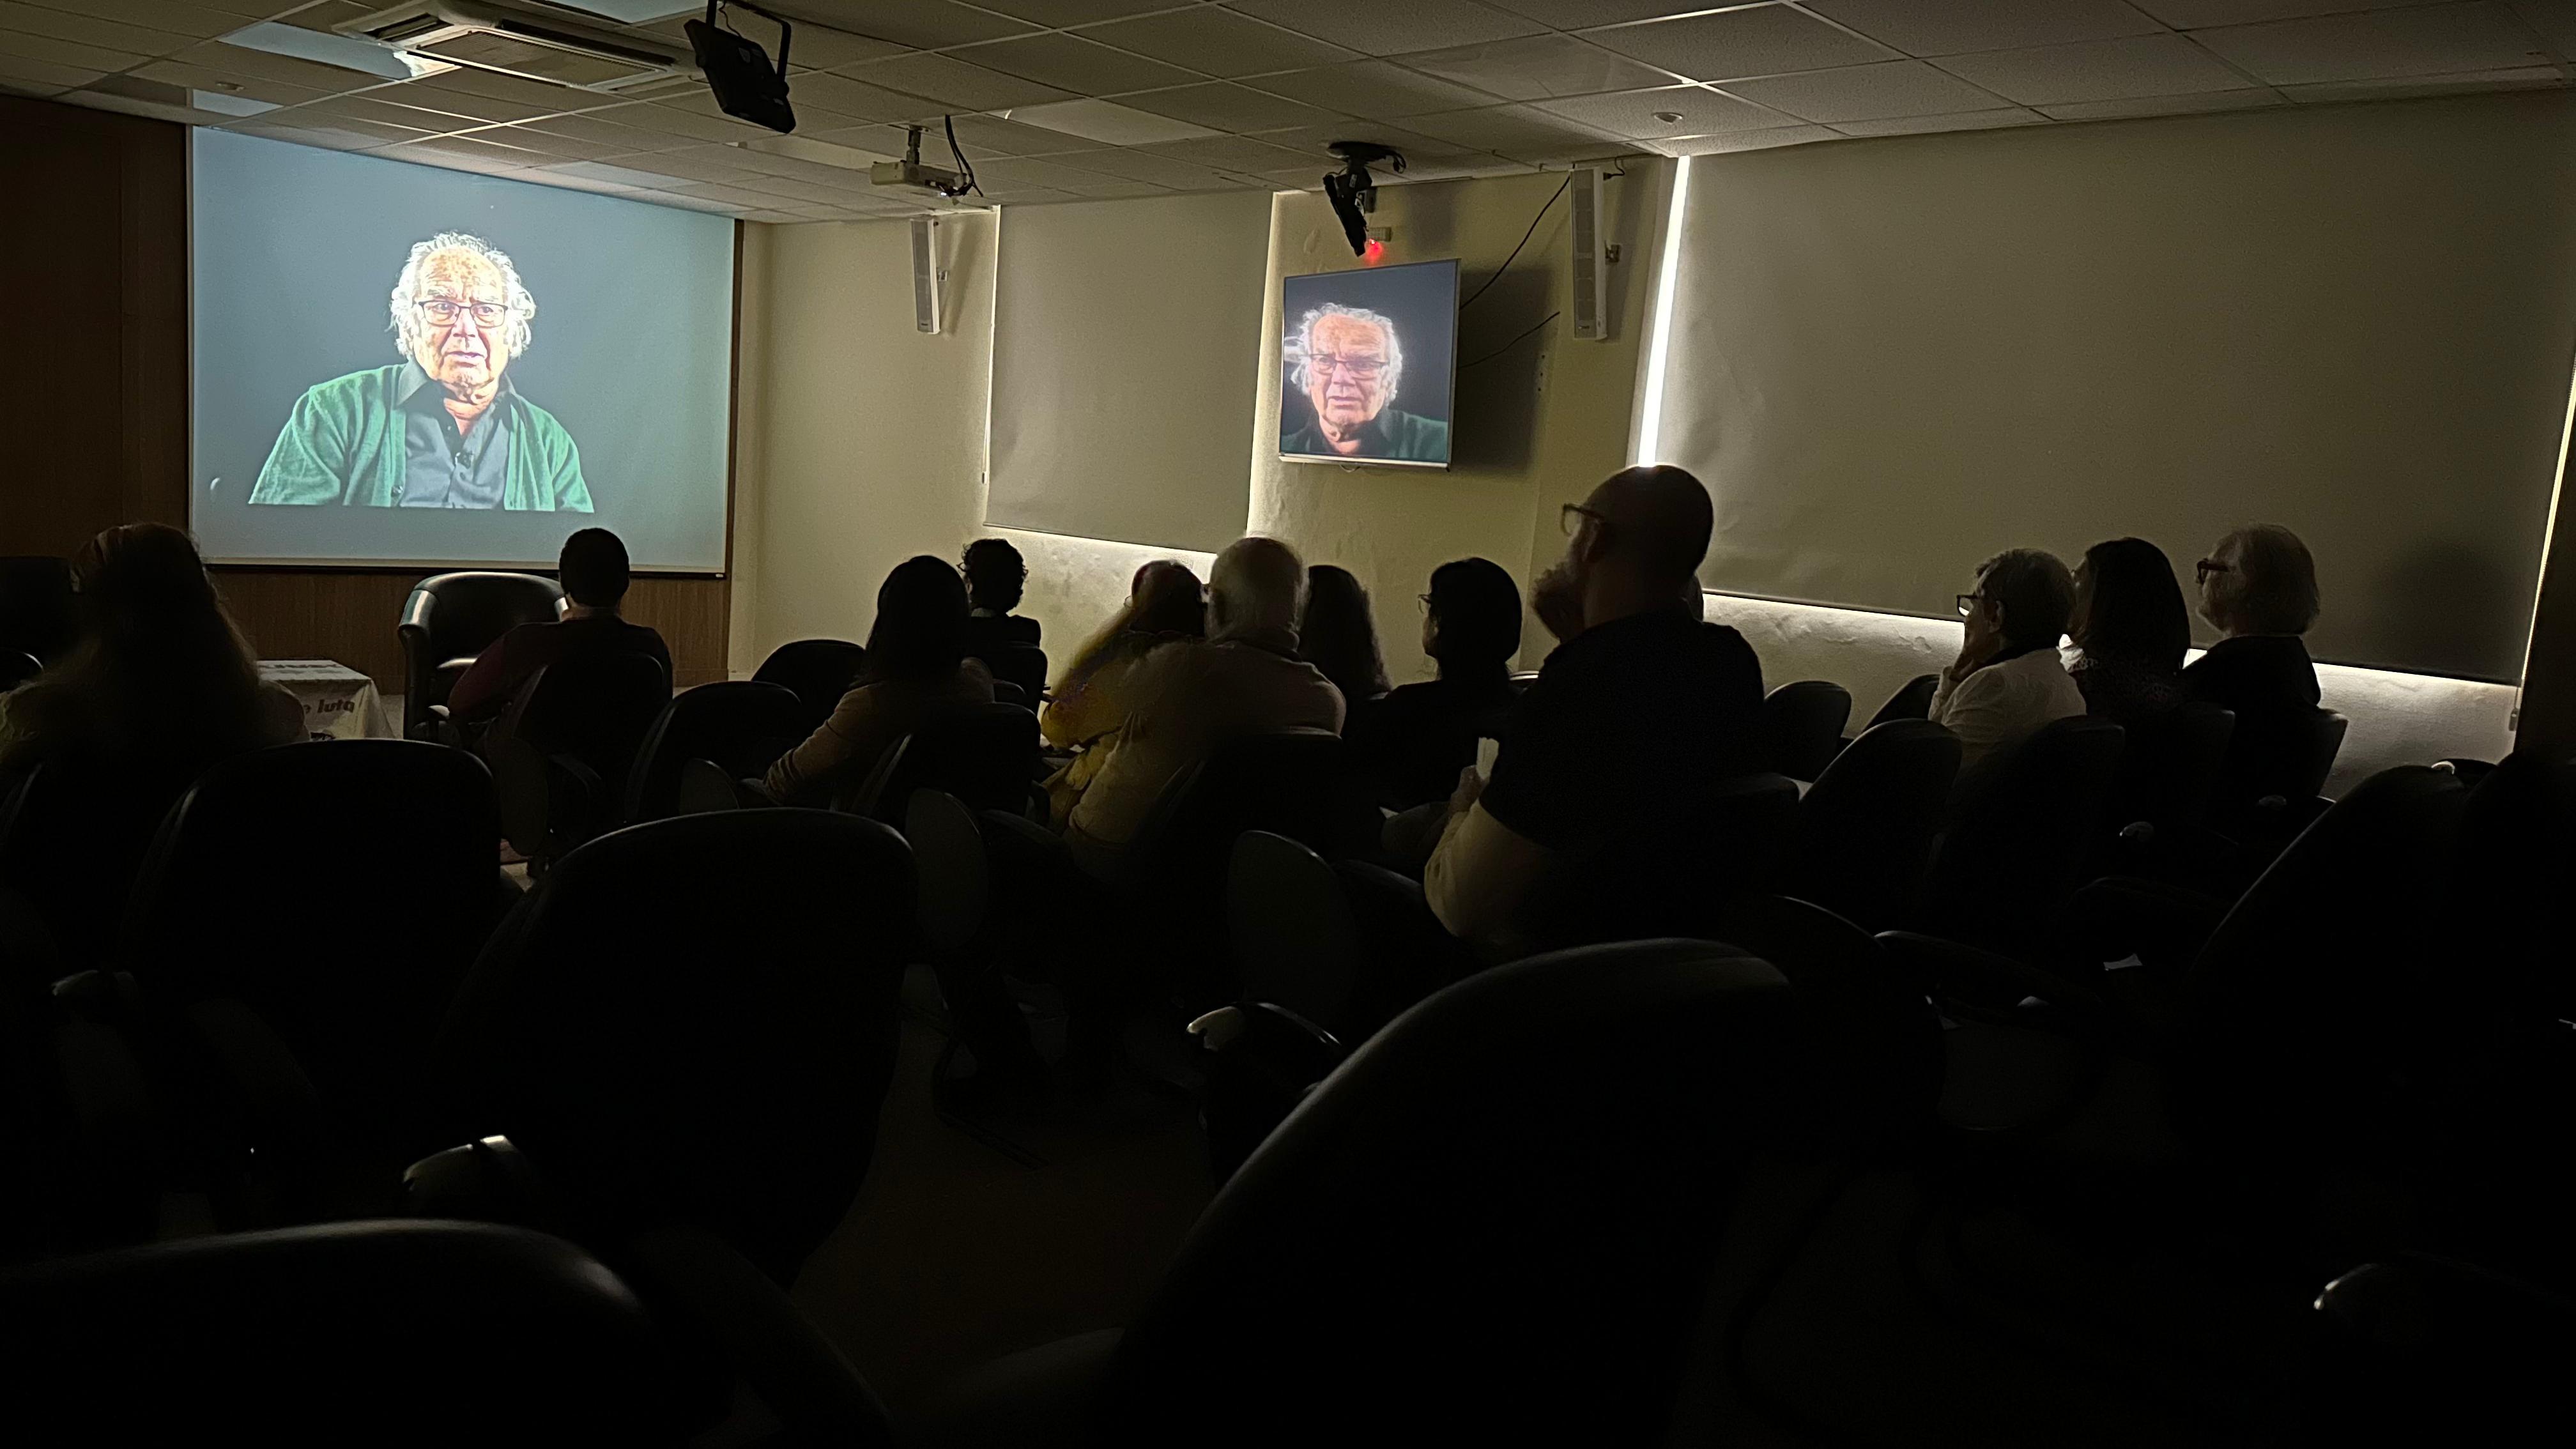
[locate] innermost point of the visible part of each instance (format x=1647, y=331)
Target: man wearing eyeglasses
x=444, y=428
x=1348, y=361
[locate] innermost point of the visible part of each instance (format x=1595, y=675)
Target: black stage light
x=746, y=85
x=1353, y=191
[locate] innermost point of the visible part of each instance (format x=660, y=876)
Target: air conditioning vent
x=524, y=43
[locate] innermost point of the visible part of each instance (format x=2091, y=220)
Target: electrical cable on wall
x=1524, y=241
x=964, y=167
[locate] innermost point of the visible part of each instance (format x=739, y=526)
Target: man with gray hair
x=444, y=428
x=1348, y=362
x=1191, y=695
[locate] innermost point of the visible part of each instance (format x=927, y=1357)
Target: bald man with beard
x=1635, y=719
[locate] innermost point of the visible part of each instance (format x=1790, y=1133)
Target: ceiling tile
x=1390, y=27
x=1742, y=141
x=2554, y=19
x=435, y=95
x=736, y=195
x=2127, y=107
x=844, y=96
x=1418, y=149
x=1141, y=166
x=685, y=166
x=1031, y=196
x=993, y=136
x=1953, y=121
x=1866, y=92
x=954, y=82
x=1219, y=42
x=1577, y=14
x=95, y=30
x=459, y=153
x=1111, y=188
x=552, y=144
x=1238, y=153
x=1766, y=40
x=1225, y=106
x=1537, y=67
x=552, y=98
x=293, y=71
x=1506, y=129
x=2429, y=41
x=1015, y=175
x=800, y=189
x=886, y=141
x=605, y=128
x=1373, y=88
x=820, y=47
x=1056, y=14
x=679, y=122
x=381, y=132
x=2098, y=70
x=327, y=137
x=69, y=53
x=1955, y=26
x=1082, y=67
x=924, y=24
x=365, y=107
x=1106, y=122
x=680, y=201
x=198, y=77
x=2193, y=14
x=179, y=17
x=2522, y=78
x=1692, y=112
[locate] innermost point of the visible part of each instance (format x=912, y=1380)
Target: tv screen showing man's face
x=1366, y=365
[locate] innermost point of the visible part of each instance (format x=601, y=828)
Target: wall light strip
x=1650, y=422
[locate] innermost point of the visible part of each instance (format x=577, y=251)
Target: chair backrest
x=692, y=1022
x=594, y=708
x=956, y=886
x=1292, y=782
x=2275, y=755
x=1865, y=828
x=1023, y=665
x=1493, y=1223
x=820, y=671
x=2170, y=768
x=2321, y=980
x=38, y=612
x=296, y=1336
x=16, y=668
x=1658, y=877
x=1912, y=700
x=73, y=835
x=2014, y=853
x=2508, y=907
x=1802, y=726
x=1297, y=942
x=2427, y=1350
x=337, y=888
x=741, y=724
x=455, y=616
x=984, y=754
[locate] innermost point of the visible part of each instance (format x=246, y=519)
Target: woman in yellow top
x=1089, y=701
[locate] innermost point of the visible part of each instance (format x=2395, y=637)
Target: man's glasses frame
x=2203, y=569
x=453, y=309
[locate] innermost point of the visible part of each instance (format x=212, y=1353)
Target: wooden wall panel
x=102, y=269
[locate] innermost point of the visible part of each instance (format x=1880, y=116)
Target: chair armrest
x=486, y=1181
x=764, y=1338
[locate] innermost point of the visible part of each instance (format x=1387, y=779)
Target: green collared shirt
x=1398, y=436
x=348, y=442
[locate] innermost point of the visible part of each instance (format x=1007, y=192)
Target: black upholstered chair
x=985, y=755
x=820, y=671
x=2274, y=780
x=1802, y=726
x=2420, y=1349
x=1913, y=700
x=16, y=668
x=1658, y=876
x=740, y=724
x=679, y=1027
x=39, y=614
x=1021, y=665
x=2165, y=794
x=73, y=834
x=397, y=1332
x=1864, y=830
x=2006, y=868
x=561, y=753
x=1493, y=1223
x=449, y=619
x=308, y=911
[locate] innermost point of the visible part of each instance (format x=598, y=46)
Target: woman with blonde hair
x=1090, y=698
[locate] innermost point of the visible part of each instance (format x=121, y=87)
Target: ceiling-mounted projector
x=910, y=174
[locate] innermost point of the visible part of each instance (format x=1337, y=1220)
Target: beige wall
x=1534, y=428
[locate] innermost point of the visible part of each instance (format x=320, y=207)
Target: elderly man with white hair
x=1349, y=362
x=444, y=428
x=1190, y=695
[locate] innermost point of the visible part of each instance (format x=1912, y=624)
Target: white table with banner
x=339, y=702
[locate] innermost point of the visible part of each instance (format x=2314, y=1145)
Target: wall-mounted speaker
x=1591, y=258
x=925, y=273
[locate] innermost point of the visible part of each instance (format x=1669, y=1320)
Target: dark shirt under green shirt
x=445, y=466
x=1396, y=436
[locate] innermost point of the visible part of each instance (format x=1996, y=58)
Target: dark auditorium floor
x=964, y=1245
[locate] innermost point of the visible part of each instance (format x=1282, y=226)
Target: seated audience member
x=594, y=575
x=1416, y=740
x=1090, y=699
x=1189, y=696
x=2132, y=629
x=2259, y=587
x=2008, y=680
x=995, y=576
x=160, y=683
x=1639, y=713
x=917, y=669
x=1338, y=635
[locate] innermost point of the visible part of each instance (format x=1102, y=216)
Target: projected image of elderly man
x=1348, y=361
x=443, y=428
